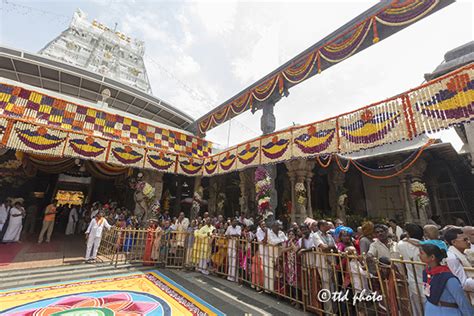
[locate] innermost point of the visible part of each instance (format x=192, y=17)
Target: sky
x=201, y=53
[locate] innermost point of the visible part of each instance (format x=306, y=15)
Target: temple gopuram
x=78, y=119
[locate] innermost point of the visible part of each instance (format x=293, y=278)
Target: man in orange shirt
x=48, y=222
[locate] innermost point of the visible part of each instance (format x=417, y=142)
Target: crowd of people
x=270, y=257
x=19, y=219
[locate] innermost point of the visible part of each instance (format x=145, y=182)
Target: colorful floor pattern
x=149, y=293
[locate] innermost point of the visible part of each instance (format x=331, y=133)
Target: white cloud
x=218, y=18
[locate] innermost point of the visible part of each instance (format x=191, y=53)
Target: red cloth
x=150, y=237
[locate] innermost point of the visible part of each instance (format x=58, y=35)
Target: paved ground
x=29, y=254
x=230, y=297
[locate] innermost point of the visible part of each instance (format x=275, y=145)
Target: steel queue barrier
x=320, y=282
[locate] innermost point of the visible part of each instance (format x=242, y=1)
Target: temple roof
x=64, y=78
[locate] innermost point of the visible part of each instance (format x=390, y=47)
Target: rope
x=343, y=169
x=429, y=143
x=324, y=165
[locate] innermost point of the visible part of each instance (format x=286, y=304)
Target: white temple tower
x=95, y=47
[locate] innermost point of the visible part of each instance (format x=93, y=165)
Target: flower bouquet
x=300, y=191
x=419, y=194
x=263, y=190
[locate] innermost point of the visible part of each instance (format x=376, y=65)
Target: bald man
x=469, y=232
x=431, y=232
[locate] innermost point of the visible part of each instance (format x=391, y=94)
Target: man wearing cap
x=15, y=225
x=48, y=222
x=94, y=235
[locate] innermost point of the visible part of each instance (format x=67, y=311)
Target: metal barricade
x=320, y=282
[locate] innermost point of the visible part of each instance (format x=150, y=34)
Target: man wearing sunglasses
x=458, y=242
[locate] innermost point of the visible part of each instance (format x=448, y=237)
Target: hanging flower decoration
x=263, y=190
x=300, y=192
x=419, y=194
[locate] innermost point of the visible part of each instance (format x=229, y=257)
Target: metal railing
x=320, y=282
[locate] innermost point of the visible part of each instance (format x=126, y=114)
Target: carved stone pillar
x=405, y=198
x=416, y=174
x=243, y=200
x=309, y=207
x=292, y=176
x=211, y=206
x=155, y=179
x=337, y=179
x=300, y=171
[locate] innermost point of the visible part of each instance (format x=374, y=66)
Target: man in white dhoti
x=233, y=233
x=15, y=224
x=71, y=224
x=262, y=237
x=324, y=242
x=409, y=249
x=275, y=238
x=3, y=213
x=94, y=235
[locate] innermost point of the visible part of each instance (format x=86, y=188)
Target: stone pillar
x=415, y=173
x=292, y=177
x=197, y=184
x=179, y=192
x=243, y=200
x=267, y=125
x=405, y=198
x=300, y=171
x=337, y=179
x=155, y=179
x=211, y=206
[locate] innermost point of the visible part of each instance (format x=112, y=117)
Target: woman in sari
x=150, y=239
x=218, y=257
x=203, y=238
x=155, y=250
x=290, y=248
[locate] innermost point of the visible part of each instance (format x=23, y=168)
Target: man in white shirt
x=233, y=234
x=262, y=236
x=275, y=239
x=324, y=242
x=94, y=235
x=409, y=249
x=458, y=243
x=469, y=231
x=3, y=214
x=180, y=226
x=394, y=230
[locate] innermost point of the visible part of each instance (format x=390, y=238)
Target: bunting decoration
x=248, y=155
x=86, y=147
x=276, y=148
x=190, y=166
x=32, y=106
x=211, y=166
x=228, y=161
x=393, y=17
x=3, y=128
x=39, y=139
x=371, y=127
x=126, y=155
x=405, y=12
x=265, y=90
x=301, y=69
x=346, y=45
x=315, y=139
x=447, y=102
x=160, y=161
x=434, y=106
